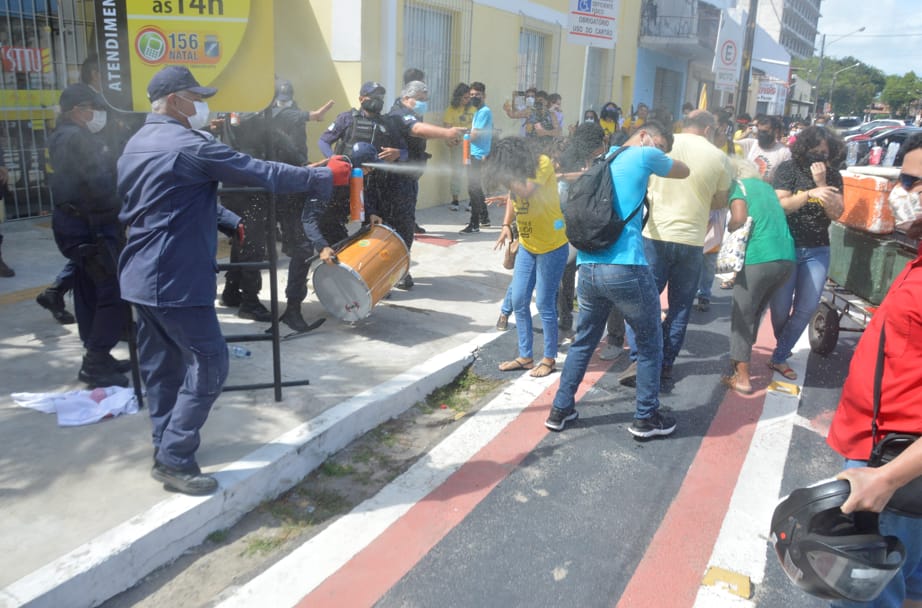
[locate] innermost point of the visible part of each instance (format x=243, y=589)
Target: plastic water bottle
x=239, y=352
x=466, y=149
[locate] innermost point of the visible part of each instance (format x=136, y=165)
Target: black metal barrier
x=273, y=334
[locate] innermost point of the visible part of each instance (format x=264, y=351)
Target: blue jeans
x=632, y=291
x=908, y=583
x=539, y=272
x=706, y=276
x=803, y=290
x=506, y=307
x=678, y=266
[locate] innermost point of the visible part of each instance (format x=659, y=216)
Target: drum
x=367, y=270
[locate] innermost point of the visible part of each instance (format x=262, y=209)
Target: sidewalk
x=83, y=520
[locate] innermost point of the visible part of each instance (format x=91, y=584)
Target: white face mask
x=199, y=119
x=906, y=207
x=98, y=122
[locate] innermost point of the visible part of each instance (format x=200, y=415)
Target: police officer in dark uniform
x=289, y=145
x=168, y=179
x=87, y=231
x=399, y=207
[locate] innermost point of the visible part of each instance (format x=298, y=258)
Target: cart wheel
x=824, y=329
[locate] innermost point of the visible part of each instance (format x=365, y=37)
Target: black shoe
x=191, y=481
x=469, y=229
x=419, y=229
x=230, y=298
x=293, y=319
x=658, y=424
x=98, y=371
x=485, y=222
x=703, y=304
x=406, y=283
x=255, y=311
x=6, y=271
x=629, y=376
x=122, y=366
x=53, y=300
x=558, y=418
x=502, y=324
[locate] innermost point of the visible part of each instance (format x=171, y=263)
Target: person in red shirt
x=900, y=316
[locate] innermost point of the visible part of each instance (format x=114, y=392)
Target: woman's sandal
x=728, y=284
x=784, y=369
x=516, y=364
x=543, y=369
x=730, y=382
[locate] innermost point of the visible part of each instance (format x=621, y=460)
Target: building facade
x=791, y=23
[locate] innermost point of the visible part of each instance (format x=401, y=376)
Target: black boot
x=98, y=370
x=292, y=317
x=253, y=309
x=5, y=271
x=52, y=299
x=122, y=366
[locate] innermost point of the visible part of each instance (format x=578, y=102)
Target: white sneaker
x=611, y=352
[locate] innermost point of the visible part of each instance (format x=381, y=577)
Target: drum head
x=342, y=292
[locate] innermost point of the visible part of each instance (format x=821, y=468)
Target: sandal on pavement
x=728, y=284
x=784, y=369
x=516, y=364
x=543, y=369
x=731, y=382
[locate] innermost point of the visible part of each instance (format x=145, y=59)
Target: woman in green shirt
x=769, y=261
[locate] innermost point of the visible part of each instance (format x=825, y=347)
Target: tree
x=900, y=91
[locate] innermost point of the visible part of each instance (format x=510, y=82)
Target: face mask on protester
x=766, y=140
x=98, y=122
x=421, y=107
x=476, y=101
x=199, y=118
x=817, y=157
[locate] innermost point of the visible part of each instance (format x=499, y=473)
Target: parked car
x=867, y=126
x=871, y=133
x=883, y=140
x=846, y=122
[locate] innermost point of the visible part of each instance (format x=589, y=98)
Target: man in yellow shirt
x=674, y=235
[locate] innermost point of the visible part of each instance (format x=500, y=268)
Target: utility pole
x=743, y=97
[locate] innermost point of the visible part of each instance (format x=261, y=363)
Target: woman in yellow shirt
x=458, y=114
x=534, y=203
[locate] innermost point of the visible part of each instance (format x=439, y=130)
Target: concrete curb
x=119, y=558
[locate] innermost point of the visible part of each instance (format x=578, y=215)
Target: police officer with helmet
x=87, y=231
x=168, y=180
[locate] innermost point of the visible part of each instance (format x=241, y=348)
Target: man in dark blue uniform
x=399, y=208
x=168, y=179
x=87, y=231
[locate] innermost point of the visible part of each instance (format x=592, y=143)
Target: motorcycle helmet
x=830, y=554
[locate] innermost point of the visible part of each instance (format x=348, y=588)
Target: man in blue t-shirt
x=481, y=141
x=619, y=276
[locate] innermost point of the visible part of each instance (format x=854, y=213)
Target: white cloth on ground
x=76, y=408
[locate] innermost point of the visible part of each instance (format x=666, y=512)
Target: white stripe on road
x=289, y=580
x=742, y=544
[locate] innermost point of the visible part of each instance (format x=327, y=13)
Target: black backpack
x=592, y=223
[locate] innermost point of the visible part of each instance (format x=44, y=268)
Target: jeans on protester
x=706, y=276
x=802, y=291
x=908, y=583
x=539, y=273
x=678, y=266
x=632, y=291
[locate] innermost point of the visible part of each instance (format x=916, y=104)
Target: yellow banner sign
x=221, y=41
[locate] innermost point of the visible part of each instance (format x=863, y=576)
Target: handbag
x=509, y=257
x=732, y=254
x=907, y=500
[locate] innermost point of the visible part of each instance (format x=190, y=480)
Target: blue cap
x=175, y=78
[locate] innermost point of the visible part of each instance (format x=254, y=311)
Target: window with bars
x=532, y=70
x=429, y=31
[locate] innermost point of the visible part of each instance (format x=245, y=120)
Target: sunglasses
x=909, y=181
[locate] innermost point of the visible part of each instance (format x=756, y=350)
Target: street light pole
x=819, y=74
x=833, y=87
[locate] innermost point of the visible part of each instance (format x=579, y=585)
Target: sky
x=891, y=41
